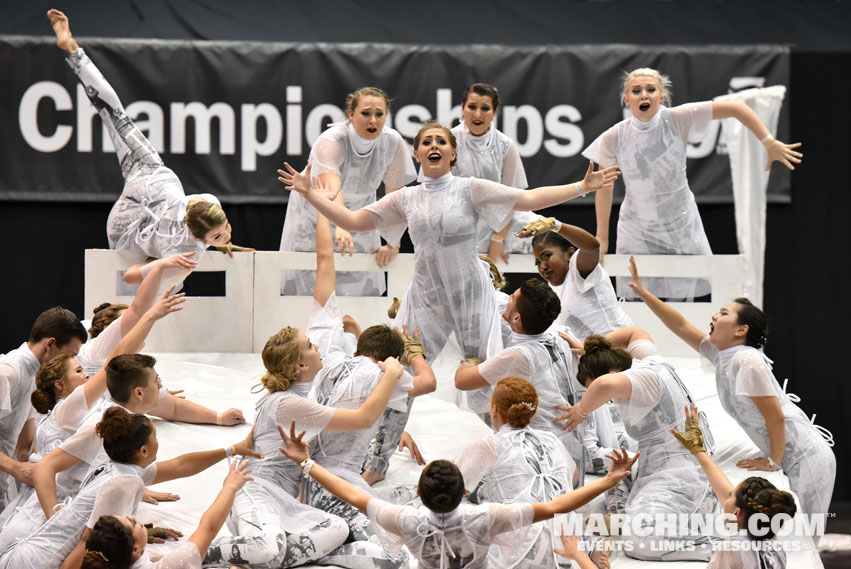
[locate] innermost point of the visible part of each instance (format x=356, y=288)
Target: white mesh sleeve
x=8, y=380
x=118, y=496
x=640, y=349
x=326, y=156
x=401, y=170
x=645, y=391
x=98, y=349
x=71, y=412
x=604, y=149
x=388, y=216
x=753, y=376
x=475, y=460
x=513, y=173
x=507, y=362
x=509, y=517
x=692, y=119
x=84, y=444
x=708, y=351
x=494, y=202
x=184, y=556
x=389, y=516
x=309, y=415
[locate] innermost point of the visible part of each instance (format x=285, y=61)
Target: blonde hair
x=280, y=354
x=43, y=398
x=202, y=216
x=353, y=98
x=663, y=80
x=104, y=315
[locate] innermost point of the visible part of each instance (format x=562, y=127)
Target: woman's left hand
x=601, y=179
x=760, y=463
x=572, y=419
x=159, y=535
x=781, y=152
x=496, y=251
x=385, y=254
x=230, y=248
x=537, y=227
x=296, y=449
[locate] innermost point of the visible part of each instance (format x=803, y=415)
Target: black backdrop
x=807, y=272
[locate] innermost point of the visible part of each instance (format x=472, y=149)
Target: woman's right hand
x=621, y=464
x=343, y=241
x=691, y=437
x=391, y=368
x=179, y=261
x=636, y=284
x=294, y=180
x=238, y=475
x=167, y=304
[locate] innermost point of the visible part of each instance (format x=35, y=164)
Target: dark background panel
x=807, y=269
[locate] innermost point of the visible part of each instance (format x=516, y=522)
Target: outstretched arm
x=172, y=408
x=670, y=316
x=602, y=389
x=294, y=180
x=215, y=516
x=548, y=196
x=621, y=463
x=192, y=463
x=623, y=337
x=297, y=451
x=692, y=440
x=151, y=277
x=368, y=413
x=133, y=341
x=326, y=275
x=777, y=151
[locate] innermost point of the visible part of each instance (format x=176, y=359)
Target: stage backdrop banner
x=226, y=115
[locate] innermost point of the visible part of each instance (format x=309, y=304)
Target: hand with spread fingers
x=413, y=345
x=692, y=437
x=295, y=448
x=576, y=346
x=781, y=152
x=537, y=227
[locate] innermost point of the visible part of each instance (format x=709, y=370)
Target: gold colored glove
x=394, y=308
x=692, y=437
x=472, y=361
x=413, y=347
x=156, y=532
x=540, y=225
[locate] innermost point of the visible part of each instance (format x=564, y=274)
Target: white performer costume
x=669, y=480
x=24, y=513
x=17, y=382
x=743, y=372
x=546, y=361
x=94, y=353
x=149, y=218
x=452, y=288
x=460, y=538
x=493, y=156
x=362, y=166
x=182, y=556
x=520, y=465
x=345, y=382
x=658, y=215
x=84, y=444
x=741, y=556
x=589, y=305
x=113, y=489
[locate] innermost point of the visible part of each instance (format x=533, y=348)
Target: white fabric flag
x=750, y=180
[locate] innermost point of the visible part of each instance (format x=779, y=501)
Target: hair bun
x=596, y=343
x=100, y=307
x=116, y=422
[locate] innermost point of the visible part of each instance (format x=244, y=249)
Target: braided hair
x=756, y=495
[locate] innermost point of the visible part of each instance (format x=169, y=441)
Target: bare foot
x=61, y=27
x=371, y=477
